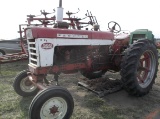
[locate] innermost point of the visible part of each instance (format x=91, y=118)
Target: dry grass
x=87, y=105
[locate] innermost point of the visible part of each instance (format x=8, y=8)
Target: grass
x=99, y=106
x=12, y=106
x=87, y=105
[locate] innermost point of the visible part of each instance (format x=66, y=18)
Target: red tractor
x=66, y=48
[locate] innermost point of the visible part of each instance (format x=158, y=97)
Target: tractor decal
x=47, y=46
x=71, y=36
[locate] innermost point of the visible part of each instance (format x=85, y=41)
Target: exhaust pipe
x=59, y=17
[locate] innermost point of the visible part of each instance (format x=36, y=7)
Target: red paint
x=47, y=46
x=55, y=69
x=119, y=44
x=52, y=33
x=144, y=68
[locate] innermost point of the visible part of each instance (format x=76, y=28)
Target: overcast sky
x=130, y=14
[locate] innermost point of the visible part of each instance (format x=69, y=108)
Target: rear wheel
x=52, y=103
x=139, y=67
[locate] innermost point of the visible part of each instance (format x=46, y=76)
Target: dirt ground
x=118, y=105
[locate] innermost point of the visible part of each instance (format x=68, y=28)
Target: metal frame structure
x=13, y=57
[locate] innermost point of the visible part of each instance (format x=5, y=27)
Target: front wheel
x=23, y=86
x=139, y=67
x=52, y=103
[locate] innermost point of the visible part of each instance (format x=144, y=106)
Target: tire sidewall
x=130, y=64
x=44, y=95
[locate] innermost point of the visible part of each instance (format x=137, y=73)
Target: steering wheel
x=113, y=28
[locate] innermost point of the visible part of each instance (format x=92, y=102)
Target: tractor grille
x=33, y=54
x=138, y=36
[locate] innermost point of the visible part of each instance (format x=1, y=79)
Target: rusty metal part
x=54, y=110
x=102, y=86
x=39, y=85
x=13, y=57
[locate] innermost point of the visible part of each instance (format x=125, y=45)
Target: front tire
x=23, y=86
x=52, y=103
x=139, y=67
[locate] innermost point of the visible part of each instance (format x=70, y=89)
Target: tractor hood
x=37, y=32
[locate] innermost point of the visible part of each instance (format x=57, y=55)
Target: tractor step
x=102, y=86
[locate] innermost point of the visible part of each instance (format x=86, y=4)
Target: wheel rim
x=54, y=108
x=146, y=68
x=27, y=86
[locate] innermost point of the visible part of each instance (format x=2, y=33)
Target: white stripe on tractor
x=72, y=42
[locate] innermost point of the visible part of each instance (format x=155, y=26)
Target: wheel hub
x=28, y=83
x=27, y=86
x=53, y=110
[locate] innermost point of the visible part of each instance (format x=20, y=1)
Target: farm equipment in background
x=59, y=45
x=141, y=34
x=21, y=54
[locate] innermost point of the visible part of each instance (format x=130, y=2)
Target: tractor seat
x=121, y=36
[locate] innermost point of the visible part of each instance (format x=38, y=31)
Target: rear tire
x=139, y=67
x=52, y=103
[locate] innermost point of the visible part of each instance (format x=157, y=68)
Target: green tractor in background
x=143, y=34
x=140, y=34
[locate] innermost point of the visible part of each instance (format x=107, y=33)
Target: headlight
x=29, y=34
